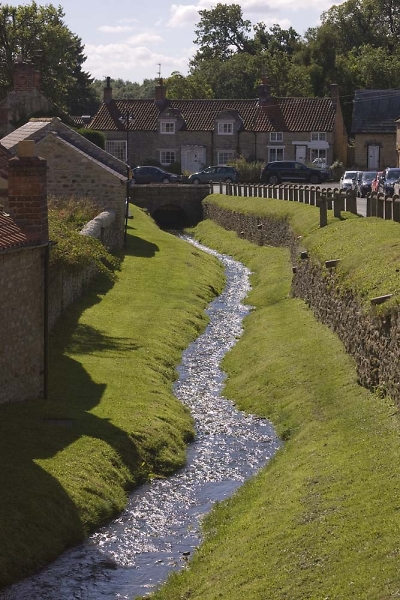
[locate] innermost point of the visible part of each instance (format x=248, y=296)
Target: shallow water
x=160, y=527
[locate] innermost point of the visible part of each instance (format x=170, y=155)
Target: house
x=24, y=246
x=5, y=156
x=26, y=100
x=374, y=128
x=195, y=133
x=76, y=167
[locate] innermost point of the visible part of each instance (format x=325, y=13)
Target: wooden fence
x=378, y=204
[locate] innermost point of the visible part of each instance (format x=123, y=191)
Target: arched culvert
x=170, y=216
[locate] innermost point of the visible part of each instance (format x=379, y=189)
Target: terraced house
x=196, y=133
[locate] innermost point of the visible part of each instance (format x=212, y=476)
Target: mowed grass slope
x=111, y=420
x=322, y=520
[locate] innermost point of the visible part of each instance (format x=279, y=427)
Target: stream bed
x=161, y=525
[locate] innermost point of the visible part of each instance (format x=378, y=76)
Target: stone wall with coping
x=372, y=340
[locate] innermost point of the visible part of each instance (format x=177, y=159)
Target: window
x=318, y=153
x=225, y=128
x=318, y=136
x=167, y=127
x=167, y=157
x=117, y=149
x=276, y=136
x=275, y=154
x=224, y=157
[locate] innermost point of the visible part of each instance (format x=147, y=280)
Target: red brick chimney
x=25, y=77
x=107, y=92
x=27, y=192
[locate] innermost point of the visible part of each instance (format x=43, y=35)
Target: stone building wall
x=22, y=324
x=70, y=174
x=372, y=340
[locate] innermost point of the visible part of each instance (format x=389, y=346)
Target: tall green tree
x=221, y=33
x=37, y=33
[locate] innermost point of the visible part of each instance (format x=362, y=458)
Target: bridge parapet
x=185, y=200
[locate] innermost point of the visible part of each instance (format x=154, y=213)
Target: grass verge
x=111, y=420
x=321, y=521
x=368, y=249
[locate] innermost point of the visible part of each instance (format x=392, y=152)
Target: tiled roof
x=4, y=158
x=30, y=130
x=375, y=111
x=12, y=236
x=283, y=114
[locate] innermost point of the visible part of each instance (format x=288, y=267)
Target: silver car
x=346, y=181
x=217, y=173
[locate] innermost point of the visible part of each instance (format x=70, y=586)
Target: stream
x=161, y=525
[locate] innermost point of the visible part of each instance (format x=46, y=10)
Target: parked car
x=364, y=185
x=389, y=178
x=148, y=174
x=217, y=173
x=375, y=182
x=346, y=180
x=287, y=170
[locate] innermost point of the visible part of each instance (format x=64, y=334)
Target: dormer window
x=276, y=136
x=318, y=136
x=225, y=128
x=167, y=127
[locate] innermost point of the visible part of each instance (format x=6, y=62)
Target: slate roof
x=282, y=114
x=375, y=111
x=12, y=236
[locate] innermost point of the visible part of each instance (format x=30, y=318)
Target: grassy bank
x=368, y=249
x=322, y=520
x=111, y=420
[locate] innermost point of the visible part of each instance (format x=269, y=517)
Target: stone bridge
x=172, y=206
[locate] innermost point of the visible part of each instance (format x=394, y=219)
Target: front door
x=301, y=154
x=373, y=158
x=193, y=158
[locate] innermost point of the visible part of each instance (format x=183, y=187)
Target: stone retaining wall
x=373, y=340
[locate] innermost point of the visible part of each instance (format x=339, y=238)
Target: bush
x=94, y=136
x=70, y=250
x=249, y=171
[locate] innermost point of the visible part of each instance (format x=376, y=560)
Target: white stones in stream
x=160, y=527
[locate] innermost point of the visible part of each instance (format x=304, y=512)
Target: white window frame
x=273, y=153
x=276, y=136
x=117, y=148
x=318, y=136
x=167, y=127
x=224, y=156
x=225, y=128
x=319, y=153
x=166, y=157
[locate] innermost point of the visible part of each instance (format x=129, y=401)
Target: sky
x=135, y=40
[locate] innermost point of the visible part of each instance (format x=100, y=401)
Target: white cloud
x=115, y=28
x=144, y=38
x=131, y=63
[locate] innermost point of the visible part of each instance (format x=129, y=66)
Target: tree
x=38, y=34
x=192, y=86
x=222, y=32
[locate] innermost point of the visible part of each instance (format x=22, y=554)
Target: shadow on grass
x=137, y=246
x=38, y=516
